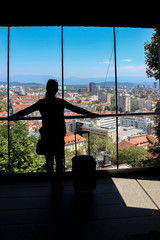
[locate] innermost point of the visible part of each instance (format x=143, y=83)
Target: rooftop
x=124, y=143
x=125, y=132
x=70, y=138
x=139, y=140
x=119, y=208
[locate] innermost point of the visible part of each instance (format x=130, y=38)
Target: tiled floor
x=119, y=208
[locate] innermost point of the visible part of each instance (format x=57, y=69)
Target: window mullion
x=116, y=90
x=8, y=73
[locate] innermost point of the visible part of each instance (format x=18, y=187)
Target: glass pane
x=23, y=141
x=35, y=57
x=102, y=141
x=89, y=68
x=135, y=89
x=3, y=71
x=136, y=93
x=4, y=163
x=136, y=137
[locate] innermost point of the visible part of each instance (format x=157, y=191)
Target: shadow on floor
x=119, y=208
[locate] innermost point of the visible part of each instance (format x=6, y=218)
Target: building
x=100, y=127
x=128, y=132
x=140, y=141
x=21, y=91
x=155, y=84
x=143, y=103
x=124, y=102
x=92, y=88
x=139, y=122
x=125, y=143
x=108, y=97
x=82, y=90
x=104, y=97
x=69, y=140
x=109, y=123
x=99, y=131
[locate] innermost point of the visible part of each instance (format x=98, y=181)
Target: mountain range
x=39, y=80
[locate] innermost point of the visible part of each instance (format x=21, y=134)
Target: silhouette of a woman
x=53, y=127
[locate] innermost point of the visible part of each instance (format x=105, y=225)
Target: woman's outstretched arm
x=25, y=111
x=79, y=110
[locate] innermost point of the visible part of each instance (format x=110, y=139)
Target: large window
x=101, y=69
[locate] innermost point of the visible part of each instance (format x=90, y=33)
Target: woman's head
x=51, y=88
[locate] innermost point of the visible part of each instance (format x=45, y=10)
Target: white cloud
x=139, y=70
x=105, y=61
x=126, y=60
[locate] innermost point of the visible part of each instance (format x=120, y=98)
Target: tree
x=112, y=107
x=96, y=145
x=151, y=57
x=154, y=150
x=4, y=163
x=135, y=156
x=99, y=143
x=23, y=157
x=99, y=108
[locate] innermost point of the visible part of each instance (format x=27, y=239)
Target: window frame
x=116, y=115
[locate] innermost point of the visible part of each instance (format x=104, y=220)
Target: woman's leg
x=59, y=156
x=49, y=166
x=59, y=168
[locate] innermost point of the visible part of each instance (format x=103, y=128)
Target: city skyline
x=131, y=129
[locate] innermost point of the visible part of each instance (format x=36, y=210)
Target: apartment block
x=124, y=102
x=137, y=122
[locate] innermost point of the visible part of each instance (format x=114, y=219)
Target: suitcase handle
x=80, y=132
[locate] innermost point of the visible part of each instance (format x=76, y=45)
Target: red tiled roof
x=85, y=102
x=102, y=104
x=139, y=140
x=124, y=144
x=20, y=107
x=70, y=138
x=72, y=101
x=110, y=112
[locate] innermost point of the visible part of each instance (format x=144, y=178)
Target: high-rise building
x=108, y=96
x=104, y=97
x=21, y=91
x=124, y=102
x=92, y=88
x=155, y=84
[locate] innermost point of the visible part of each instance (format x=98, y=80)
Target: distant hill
x=41, y=80
x=120, y=84
x=110, y=81
x=17, y=84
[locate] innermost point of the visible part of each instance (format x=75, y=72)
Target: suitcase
x=84, y=169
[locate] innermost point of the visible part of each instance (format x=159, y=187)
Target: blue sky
x=87, y=51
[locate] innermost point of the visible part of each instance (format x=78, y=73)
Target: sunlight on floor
x=139, y=193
